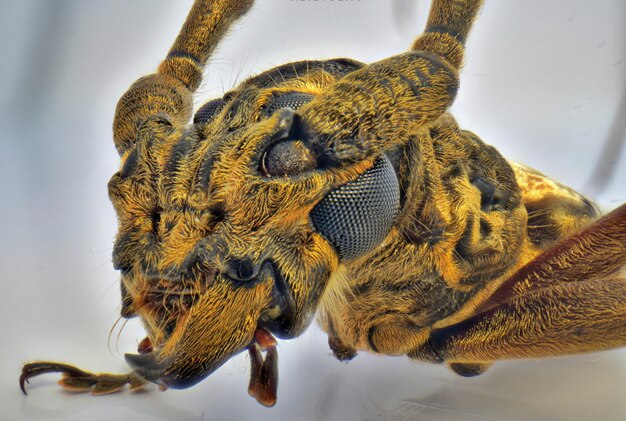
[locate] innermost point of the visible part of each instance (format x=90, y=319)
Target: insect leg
x=571, y=318
x=569, y=300
x=78, y=380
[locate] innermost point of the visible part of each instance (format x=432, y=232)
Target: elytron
x=343, y=190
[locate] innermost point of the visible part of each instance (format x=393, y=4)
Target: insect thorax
x=469, y=220
x=462, y=223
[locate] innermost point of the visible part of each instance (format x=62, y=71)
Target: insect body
x=347, y=190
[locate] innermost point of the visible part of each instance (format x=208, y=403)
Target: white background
x=544, y=83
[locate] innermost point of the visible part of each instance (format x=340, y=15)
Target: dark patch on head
x=491, y=198
x=434, y=133
x=242, y=272
x=485, y=228
x=155, y=217
x=169, y=225
x=180, y=150
x=130, y=164
x=127, y=310
x=487, y=191
x=218, y=211
x=462, y=250
x=169, y=327
x=491, y=168
x=455, y=170
x=204, y=174
x=363, y=288
x=121, y=257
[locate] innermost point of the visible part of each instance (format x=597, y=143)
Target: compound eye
x=287, y=158
x=208, y=111
x=356, y=217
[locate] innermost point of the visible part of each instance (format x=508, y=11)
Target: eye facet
x=293, y=100
x=208, y=111
x=287, y=158
x=356, y=217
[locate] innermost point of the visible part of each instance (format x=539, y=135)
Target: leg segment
x=570, y=318
x=571, y=299
x=77, y=380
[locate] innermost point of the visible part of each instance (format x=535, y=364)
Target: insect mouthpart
x=167, y=299
x=172, y=296
x=279, y=314
x=226, y=317
x=277, y=317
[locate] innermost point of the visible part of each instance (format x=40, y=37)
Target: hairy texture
x=570, y=299
x=169, y=91
x=485, y=259
x=380, y=105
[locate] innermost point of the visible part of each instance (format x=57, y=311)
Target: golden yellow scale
x=345, y=190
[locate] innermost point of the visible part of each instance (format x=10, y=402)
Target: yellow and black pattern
x=484, y=259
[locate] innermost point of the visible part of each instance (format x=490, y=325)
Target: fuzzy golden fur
x=486, y=260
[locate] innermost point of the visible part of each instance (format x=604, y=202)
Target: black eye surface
x=293, y=100
x=357, y=216
x=287, y=158
x=208, y=111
